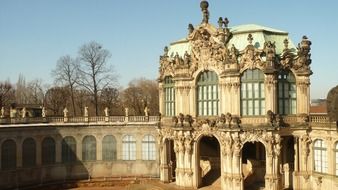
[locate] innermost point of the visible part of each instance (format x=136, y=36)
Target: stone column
x=237, y=183
x=270, y=92
x=192, y=98
x=236, y=98
x=18, y=153
x=188, y=171
x=222, y=94
x=303, y=95
x=161, y=99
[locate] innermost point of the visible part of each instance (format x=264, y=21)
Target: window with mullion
x=8, y=155
x=148, y=148
x=207, y=94
x=128, y=148
x=169, y=96
x=287, y=93
x=320, y=156
x=252, y=93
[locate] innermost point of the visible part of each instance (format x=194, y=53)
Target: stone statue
x=2, y=112
x=186, y=58
x=65, y=112
x=86, y=111
x=126, y=112
x=190, y=28
x=146, y=111
x=106, y=111
x=43, y=113
x=23, y=112
x=220, y=22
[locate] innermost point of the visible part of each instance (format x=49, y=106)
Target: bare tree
x=36, y=92
x=141, y=93
x=110, y=98
x=6, y=93
x=66, y=74
x=55, y=100
x=21, y=92
x=95, y=72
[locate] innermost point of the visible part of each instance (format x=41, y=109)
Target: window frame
x=320, y=164
x=109, y=146
x=148, y=147
x=286, y=83
x=252, y=93
x=28, y=153
x=207, y=94
x=68, y=149
x=169, y=96
x=48, y=151
x=128, y=147
x=89, y=149
x=8, y=155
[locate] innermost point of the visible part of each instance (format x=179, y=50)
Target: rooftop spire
x=204, y=6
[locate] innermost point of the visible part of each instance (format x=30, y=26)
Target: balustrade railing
x=90, y=119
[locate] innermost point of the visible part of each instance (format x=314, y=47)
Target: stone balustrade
x=82, y=119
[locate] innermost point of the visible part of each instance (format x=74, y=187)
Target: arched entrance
x=253, y=165
x=209, y=162
x=169, y=161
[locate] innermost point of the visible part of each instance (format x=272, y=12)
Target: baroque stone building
x=235, y=115
x=235, y=104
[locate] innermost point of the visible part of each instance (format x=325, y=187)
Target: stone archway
x=168, y=162
x=209, y=162
x=253, y=165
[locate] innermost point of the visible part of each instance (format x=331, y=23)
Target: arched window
x=8, y=155
x=89, y=148
x=207, y=94
x=28, y=153
x=68, y=149
x=128, y=148
x=48, y=151
x=169, y=96
x=320, y=156
x=109, y=148
x=336, y=152
x=252, y=93
x=287, y=93
x=148, y=148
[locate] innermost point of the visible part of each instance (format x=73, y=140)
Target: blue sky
x=35, y=33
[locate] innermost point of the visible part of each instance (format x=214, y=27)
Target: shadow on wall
x=40, y=159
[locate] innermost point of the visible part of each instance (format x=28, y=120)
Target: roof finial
x=204, y=6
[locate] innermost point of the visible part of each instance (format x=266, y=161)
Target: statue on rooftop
x=190, y=28
x=43, y=112
x=106, y=111
x=65, y=112
x=23, y=112
x=2, y=112
x=86, y=111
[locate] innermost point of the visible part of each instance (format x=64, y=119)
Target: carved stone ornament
x=332, y=104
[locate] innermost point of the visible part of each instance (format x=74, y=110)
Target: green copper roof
x=260, y=34
x=254, y=28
